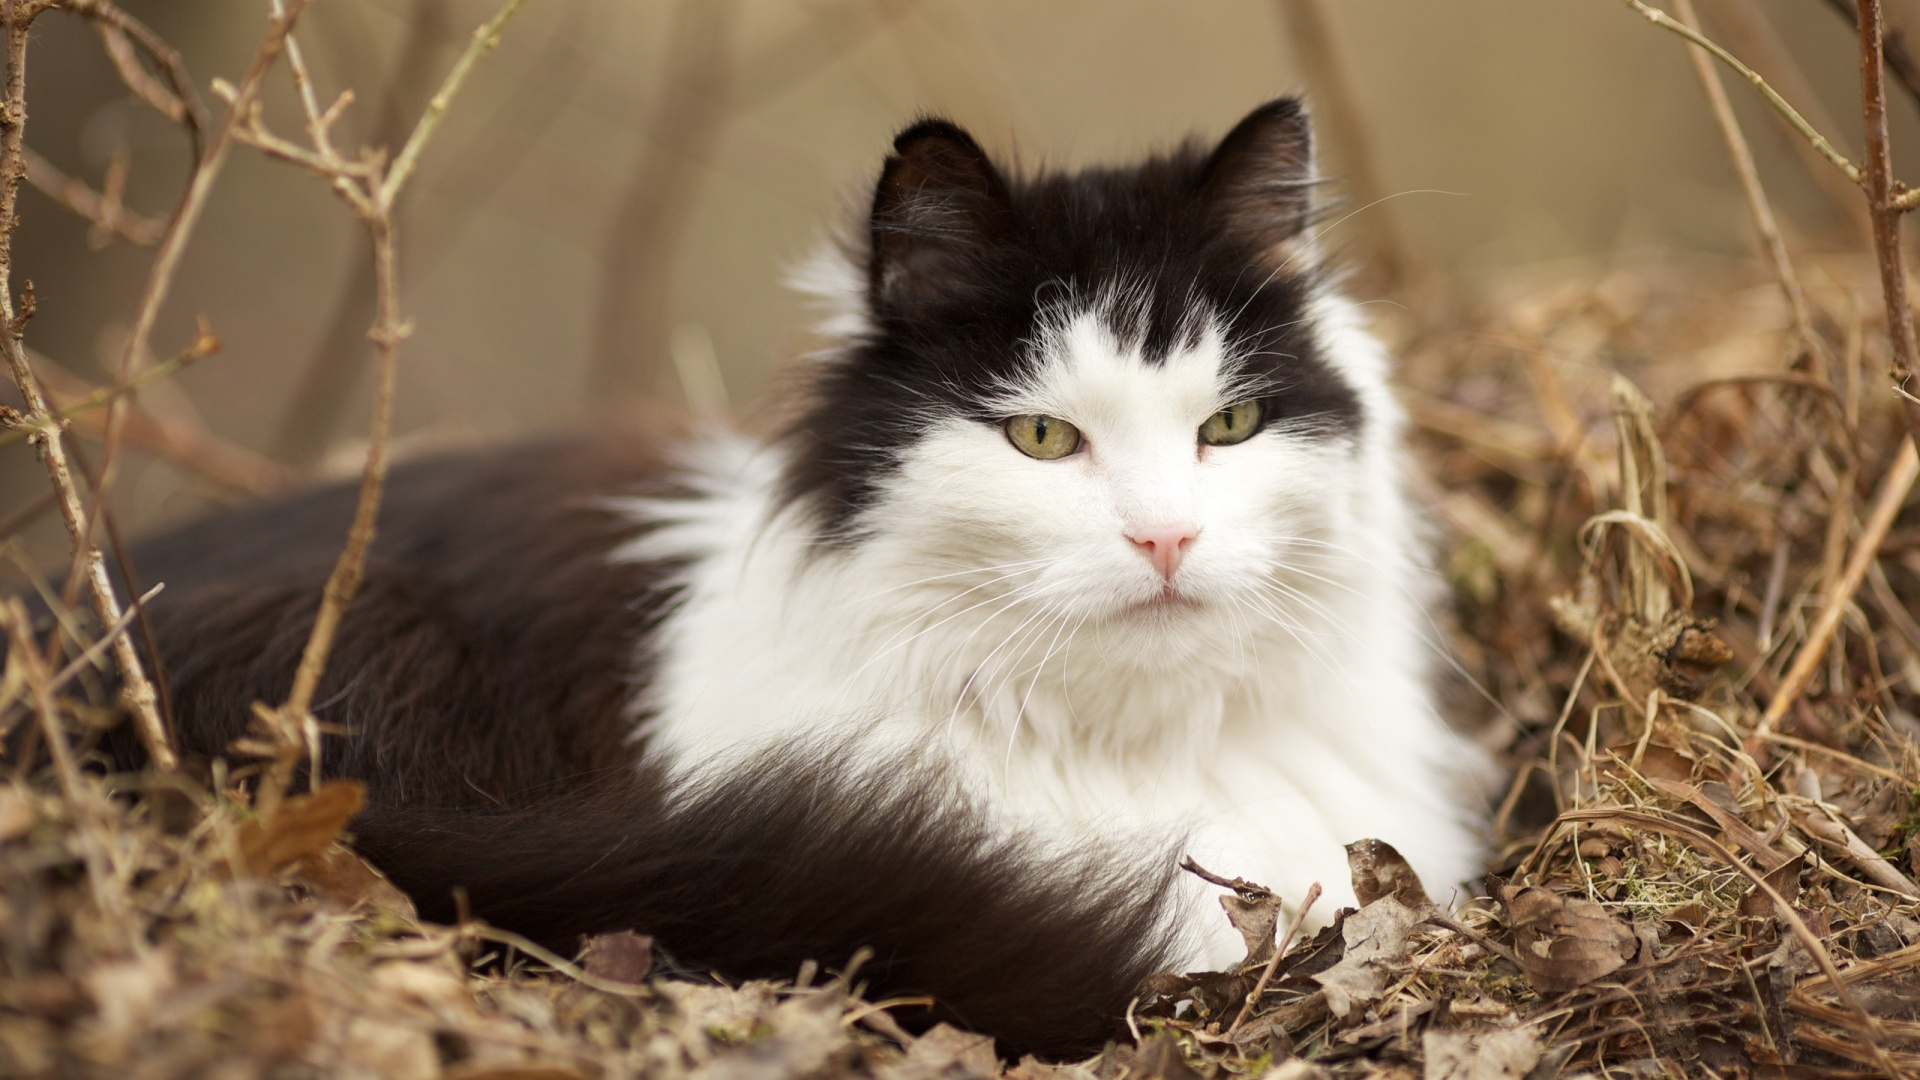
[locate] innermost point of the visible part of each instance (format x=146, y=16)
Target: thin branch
x=1881, y=193
x=108, y=216
x=371, y=192
x=1312, y=42
x=1893, y=47
x=1887, y=502
x=311, y=414
x=119, y=32
x=18, y=16
x=56, y=419
x=183, y=442
x=1807, y=131
x=1752, y=35
x=484, y=39
x=166, y=261
x=1756, y=195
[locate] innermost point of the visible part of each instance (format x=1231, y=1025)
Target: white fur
x=996, y=614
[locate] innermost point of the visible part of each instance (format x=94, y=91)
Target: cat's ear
x=939, y=202
x=1259, y=181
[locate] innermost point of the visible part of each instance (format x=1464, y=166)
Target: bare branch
x=371, y=192
x=120, y=32
x=1893, y=47
x=105, y=211
x=1894, y=488
x=17, y=17
x=1750, y=186
x=1819, y=142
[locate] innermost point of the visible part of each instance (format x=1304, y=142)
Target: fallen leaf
x=1486, y=1054
x=1563, y=943
x=1380, y=870
x=620, y=957
x=303, y=825
x=946, y=1051
x=1255, y=915
x=1375, y=937
x=345, y=882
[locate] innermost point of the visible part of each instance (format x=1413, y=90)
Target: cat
x=1084, y=549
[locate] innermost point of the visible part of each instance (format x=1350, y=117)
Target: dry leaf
x=1380, y=870
x=345, y=882
x=1487, y=1054
x=303, y=825
x=1255, y=915
x=1563, y=943
x=1375, y=936
x=620, y=957
x=947, y=1052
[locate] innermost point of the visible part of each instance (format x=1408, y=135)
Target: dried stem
x=119, y=31
x=371, y=192
x=1886, y=218
x=1273, y=962
x=1313, y=43
x=1807, y=131
x=1893, y=47
x=109, y=217
x=1756, y=195
x=1753, y=36
x=1894, y=487
x=166, y=261
x=18, y=16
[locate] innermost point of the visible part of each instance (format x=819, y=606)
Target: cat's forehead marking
x=1090, y=370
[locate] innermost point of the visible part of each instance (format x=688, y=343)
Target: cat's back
x=495, y=639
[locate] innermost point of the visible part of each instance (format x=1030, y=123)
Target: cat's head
x=1110, y=392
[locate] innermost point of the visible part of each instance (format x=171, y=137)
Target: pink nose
x=1164, y=545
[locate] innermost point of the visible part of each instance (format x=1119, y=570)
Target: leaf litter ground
x=1650, y=487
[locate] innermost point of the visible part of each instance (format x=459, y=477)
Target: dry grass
x=1681, y=595
x=156, y=928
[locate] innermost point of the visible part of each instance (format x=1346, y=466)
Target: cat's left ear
x=1259, y=181
x=939, y=203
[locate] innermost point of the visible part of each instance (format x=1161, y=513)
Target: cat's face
x=1100, y=399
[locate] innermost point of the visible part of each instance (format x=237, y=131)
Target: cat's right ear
x=939, y=203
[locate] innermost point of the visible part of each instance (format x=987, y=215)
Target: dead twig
x=103, y=208
x=370, y=188
x=1313, y=43
x=89, y=566
x=1750, y=186
x=1273, y=962
x=1887, y=501
x=1893, y=47
x=120, y=32
x=1807, y=131
x=1881, y=202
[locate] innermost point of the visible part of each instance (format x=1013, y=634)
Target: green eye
x=1232, y=424
x=1043, y=437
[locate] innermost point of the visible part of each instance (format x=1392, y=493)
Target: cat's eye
x=1232, y=424
x=1043, y=437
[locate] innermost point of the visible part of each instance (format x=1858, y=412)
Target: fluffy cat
x=1084, y=549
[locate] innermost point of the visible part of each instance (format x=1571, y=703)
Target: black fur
x=964, y=265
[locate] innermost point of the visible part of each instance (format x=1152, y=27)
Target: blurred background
x=623, y=185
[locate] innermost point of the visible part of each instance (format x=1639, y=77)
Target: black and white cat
x=1086, y=548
